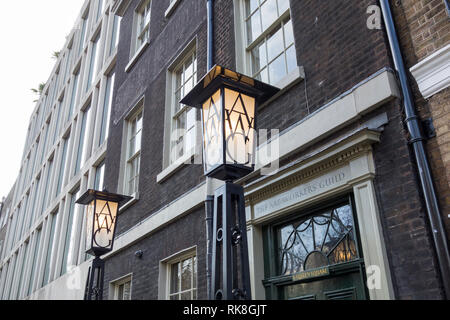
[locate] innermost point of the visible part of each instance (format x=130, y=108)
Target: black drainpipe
x=209, y=202
x=210, y=13
x=417, y=142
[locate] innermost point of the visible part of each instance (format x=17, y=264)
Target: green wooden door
x=315, y=256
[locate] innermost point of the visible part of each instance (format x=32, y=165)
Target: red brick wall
x=423, y=27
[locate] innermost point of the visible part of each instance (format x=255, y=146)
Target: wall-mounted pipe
x=210, y=53
x=209, y=202
x=417, y=142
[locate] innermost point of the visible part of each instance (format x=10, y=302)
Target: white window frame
x=140, y=19
x=171, y=164
x=136, y=111
x=101, y=5
x=99, y=173
x=243, y=49
x=165, y=272
x=95, y=60
x=176, y=114
x=115, y=284
x=113, y=37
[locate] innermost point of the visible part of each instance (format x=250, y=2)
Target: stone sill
x=171, y=8
x=136, y=56
x=173, y=168
x=135, y=198
x=297, y=75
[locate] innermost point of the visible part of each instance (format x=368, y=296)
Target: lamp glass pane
x=89, y=220
x=104, y=223
x=239, y=128
x=212, y=129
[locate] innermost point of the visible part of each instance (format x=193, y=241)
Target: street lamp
x=101, y=220
x=228, y=102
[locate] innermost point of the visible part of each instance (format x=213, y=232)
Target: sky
x=29, y=33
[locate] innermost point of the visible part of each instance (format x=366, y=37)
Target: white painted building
x=43, y=255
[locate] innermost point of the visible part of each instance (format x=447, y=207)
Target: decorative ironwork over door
x=325, y=239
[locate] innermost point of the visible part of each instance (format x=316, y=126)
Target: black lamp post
x=229, y=101
x=101, y=220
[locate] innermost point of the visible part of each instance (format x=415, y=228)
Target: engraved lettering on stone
x=300, y=193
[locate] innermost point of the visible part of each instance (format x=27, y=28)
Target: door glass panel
x=327, y=238
x=317, y=257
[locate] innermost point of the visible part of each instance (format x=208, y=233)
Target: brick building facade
x=342, y=194
x=424, y=31
x=338, y=56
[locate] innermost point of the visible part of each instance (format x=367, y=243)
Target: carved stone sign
x=302, y=192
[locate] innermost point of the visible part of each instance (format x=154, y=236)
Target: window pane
x=49, y=249
x=34, y=261
x=132, y=147
x=82, y=35
x=69, y=240
x=190, y=134
x=195, y=273
x=275, y=45
x=62, y=167
x=277, y=70
x=115, y=34
x=73, y=96
x=189, y=71
x=120, y=292
x=259, y=57
x=283, y=5
x=182, y=139
x=178, y=105
x=83, y=145
x=138, y=141
x=127, y=291
x=179, y=79
x=25, y=256
x=269, y=13
x=251, y=5
x=100, y=8
x=139, y=123
x=107, y=109
x=94, y=62
x=186, y=275
x=137, y=162
x=289, y=33
x=254, y=27
x=191, y=118
x=291, y=59
x=99, y=177
x=188, y=86
x=47, y=187
x=181, y=124
x=174, y=279
x=263, y=76
x=131, y=178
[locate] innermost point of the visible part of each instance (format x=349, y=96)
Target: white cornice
x=433, y=73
